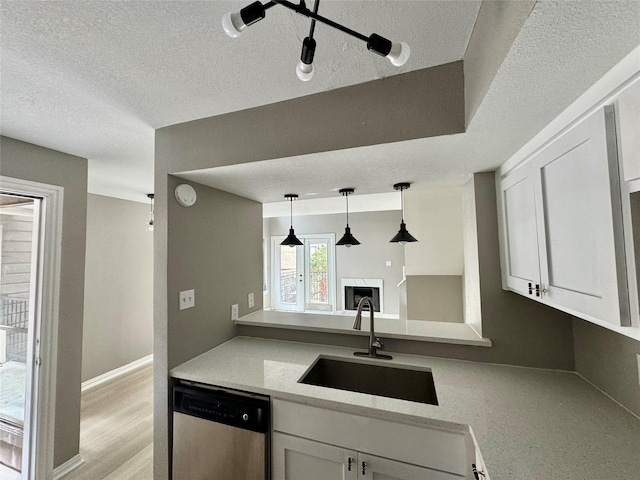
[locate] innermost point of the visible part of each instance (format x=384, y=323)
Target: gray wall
x=31, y=162
x=215, y=248
x=367, y=260
x=423, y=103
x=118, y=302
x=435, y=298
x=523, y=332
x=608, y=360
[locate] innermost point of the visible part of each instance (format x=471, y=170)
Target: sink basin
x=405, y=383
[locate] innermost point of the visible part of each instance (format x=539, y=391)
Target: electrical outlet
x=638, y=367
x=389, y=263
x=187, y=299
x=234, y=312
x=251, y=300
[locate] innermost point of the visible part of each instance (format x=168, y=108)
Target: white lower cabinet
x=310, y=443
x=296, y=458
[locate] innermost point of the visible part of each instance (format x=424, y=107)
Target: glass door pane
x=318, y=274
x=289, y=276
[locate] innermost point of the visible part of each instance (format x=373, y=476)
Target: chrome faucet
x=375, y=344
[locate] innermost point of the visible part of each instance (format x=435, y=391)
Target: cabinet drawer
x=429, y=447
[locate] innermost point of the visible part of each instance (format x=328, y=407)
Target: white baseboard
x=113, y=374
x=67, y=467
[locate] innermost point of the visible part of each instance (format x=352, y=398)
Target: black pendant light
x=403, y=236
x=291, y=239
x=347, y=239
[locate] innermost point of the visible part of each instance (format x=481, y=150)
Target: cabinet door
x=579, y=222
x=519, y=237
x=371, y=467
x=296, y=458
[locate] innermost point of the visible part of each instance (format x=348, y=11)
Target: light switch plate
x=234, y=312
x=187, y=299
x=250, y=300
x=389, y=263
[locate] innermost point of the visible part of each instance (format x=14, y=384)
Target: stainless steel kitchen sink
x=395, y=381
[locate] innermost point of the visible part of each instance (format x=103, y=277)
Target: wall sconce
x=291, y=239
x=403, y=236
x=347, y=239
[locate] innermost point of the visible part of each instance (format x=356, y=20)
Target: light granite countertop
x=419, y=330
x=529, y=424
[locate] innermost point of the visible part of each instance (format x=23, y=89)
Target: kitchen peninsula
x=528, y=424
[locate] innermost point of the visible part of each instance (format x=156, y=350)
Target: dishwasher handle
x=223, y=407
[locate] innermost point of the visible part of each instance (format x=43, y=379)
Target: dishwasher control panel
x=236, y=410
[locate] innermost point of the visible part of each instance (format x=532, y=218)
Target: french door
x=31, y=221
x=304, y=276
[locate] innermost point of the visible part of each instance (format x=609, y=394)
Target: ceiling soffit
x=419, y=104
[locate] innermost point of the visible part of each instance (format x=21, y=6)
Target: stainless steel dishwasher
x=219, y=434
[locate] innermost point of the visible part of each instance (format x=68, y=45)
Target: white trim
x=117, y=372
x=67, y=467
x=41, y=434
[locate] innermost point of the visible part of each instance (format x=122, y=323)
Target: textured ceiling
x=563, y=48
x=95, y=79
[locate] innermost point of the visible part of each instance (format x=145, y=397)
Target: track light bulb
x=396, y=52
x=234, y=23
x=304, y=71
x=399, y=53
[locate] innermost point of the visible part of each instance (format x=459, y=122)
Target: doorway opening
x=304, y=276
x=36, y=262
x=19, y=235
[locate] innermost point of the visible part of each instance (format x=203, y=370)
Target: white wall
x=434, y=217
x=118, y=306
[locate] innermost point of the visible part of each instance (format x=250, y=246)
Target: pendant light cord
x=291, y=211
x=347, y=195
x=402, y=202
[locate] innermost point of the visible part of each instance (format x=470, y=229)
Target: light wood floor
x=116, y=431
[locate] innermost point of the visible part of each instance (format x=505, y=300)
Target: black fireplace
x=353, y=295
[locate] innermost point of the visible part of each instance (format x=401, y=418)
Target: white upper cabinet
x=561, y=224
x=580, y=230
x=628, y=115
x=521, y=270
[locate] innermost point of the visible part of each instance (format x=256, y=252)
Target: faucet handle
x=378, y=344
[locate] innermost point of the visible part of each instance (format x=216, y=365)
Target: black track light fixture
x=403, y=236
x=291, y=239
x=347, y=239
x=234, y=23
